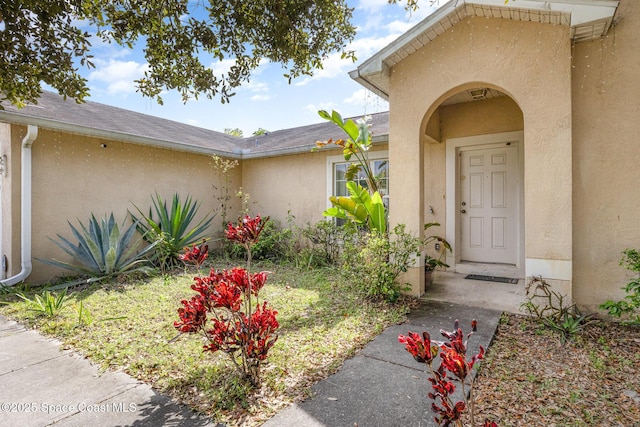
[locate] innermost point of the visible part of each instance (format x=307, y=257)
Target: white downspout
x=25, y=208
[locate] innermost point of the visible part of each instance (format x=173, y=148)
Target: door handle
x=463, y=211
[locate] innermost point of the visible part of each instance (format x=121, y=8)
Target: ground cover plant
x=128, y=326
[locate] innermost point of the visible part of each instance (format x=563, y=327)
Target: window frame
x=334, y=160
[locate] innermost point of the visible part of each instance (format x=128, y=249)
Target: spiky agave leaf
x=102, y=250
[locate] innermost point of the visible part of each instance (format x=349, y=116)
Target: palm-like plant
x=103, y=251
x=171, y=227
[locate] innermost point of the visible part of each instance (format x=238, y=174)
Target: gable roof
x=587, y=19
x=103, y=121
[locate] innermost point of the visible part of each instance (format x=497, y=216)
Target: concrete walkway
x=42, y=385
x=382, y=386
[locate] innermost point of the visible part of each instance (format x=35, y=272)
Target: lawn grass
x=129, y=327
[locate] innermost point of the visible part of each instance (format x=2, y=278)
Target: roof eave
x=588, y=20
x=76, y=129
x=302, y=149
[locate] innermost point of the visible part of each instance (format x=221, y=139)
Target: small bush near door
x=375, y=263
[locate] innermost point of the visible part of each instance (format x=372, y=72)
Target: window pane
x=381, y=169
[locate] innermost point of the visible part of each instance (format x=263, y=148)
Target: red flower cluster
x=192, y=316
x=248, y=230
x=420, y=348
x=196, y=255
x=453, y=360
x=448, y=412
x=240, y=327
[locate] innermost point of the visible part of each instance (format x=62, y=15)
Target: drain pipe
x=25, y=208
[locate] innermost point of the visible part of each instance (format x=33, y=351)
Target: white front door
x=488, y=207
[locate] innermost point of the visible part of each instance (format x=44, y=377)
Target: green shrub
x=630, y=305
x=102, y=251
x=325, y=241
x=375, y=262
x=171, y=228
x=274, y=244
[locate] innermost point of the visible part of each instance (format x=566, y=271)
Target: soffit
x=587, y=19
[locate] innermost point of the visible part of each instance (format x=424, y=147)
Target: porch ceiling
x=587, y=19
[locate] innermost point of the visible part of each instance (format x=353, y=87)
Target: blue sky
x=268, y=101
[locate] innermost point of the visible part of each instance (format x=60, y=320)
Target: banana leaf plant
x=361, y=208
x=355, y=147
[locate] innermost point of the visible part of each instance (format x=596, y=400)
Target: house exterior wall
x=74, y=176
x=10, y=139
x=531, y=63
x=295, y=184
x=606, y=149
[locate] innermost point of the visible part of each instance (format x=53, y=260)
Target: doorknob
x=463, y=211
x=464, y=203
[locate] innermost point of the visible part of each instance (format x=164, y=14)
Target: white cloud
x=367, y=101
x=358, y=97
x=260, y=97
x=314, y=108
x=118, y=76
x=222, y=67
x=335, y=66
x=372, y=5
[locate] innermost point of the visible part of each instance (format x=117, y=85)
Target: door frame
x=453, y=146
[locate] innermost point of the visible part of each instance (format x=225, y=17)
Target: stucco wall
x=531, y=63
x=295, y=184
x=606, y=150
x=74, y=176
x=10, y=143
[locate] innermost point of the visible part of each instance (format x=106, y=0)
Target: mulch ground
x=530, y=377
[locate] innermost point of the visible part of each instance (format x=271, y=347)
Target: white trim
x=558, y=269
x=453, y=147
x=332, y=160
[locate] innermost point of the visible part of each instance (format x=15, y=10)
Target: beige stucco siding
x=606, y=90
x=530, y=62
x=291, y=184
x=74, y=176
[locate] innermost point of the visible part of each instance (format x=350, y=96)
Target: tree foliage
x=41, y=41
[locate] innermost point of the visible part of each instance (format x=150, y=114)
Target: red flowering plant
x=196, y=255
x=227, y=312
x=453, y=366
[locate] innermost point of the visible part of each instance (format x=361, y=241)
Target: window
x=337, y=169
x=380, y=169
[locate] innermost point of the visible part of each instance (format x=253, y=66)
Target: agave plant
x=103, y=251
x=171, y=227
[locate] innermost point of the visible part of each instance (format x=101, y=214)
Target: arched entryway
x=473, y=179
